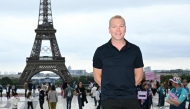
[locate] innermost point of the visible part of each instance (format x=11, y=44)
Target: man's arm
x=175, y=102
x=169, y=101
x=138, y=75
x=97, y=75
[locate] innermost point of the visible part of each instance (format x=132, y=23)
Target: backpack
x=69, y=93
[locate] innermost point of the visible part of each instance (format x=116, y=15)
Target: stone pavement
x=5, y=104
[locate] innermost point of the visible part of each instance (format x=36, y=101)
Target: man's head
x=176, y=82
x=184, y=82
x=39, y=87
x=117, y=27
x=68, y=84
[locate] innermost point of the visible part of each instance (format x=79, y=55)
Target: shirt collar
x=127, y=45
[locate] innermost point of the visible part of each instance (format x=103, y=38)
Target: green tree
x=6, y=80
x=165, y=78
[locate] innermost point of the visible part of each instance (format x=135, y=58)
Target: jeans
x=69, y=100
x=99, y=104
x=41, y=104
x=80, y=102
x=30, y=104
x=95, y=101
x=8, y=95
x=53, y=105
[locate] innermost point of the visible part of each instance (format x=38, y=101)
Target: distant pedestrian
x=8, y=90
x=162, y=95
x=98, y=97
x=14, y=89
x=1, y=90
x=53, y=98
x=64, y=86
x=47, y=91
x=69, y=95
x=25, y=88
x=81, y=93
x=30, y=85
x=93, y=92
x=34, y=89
x=14, y=101
x=41, y=97
x=29, y=99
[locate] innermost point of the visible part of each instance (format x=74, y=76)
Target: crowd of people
x=174, y=90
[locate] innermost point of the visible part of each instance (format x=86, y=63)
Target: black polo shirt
x=118, y=80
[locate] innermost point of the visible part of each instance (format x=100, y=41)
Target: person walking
x=81, y=93
x=29, y=99
x=41, y=97
x=34, y=89
x=162, y=94
x=25, y=88
x=98, y=97
x=64, y=86
x=14, y=101
x=8, y=90
x=176, y=97
x=185, y=82
x=53, y=98
x=118, y=68
x=1, y=90
x=69, y=95
x=47, y=91
x=93, y=92
x=30, y=85
x=14, y=89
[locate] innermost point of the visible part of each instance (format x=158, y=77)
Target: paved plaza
x=5, y=104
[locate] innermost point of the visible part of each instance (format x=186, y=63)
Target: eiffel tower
x=37, y=63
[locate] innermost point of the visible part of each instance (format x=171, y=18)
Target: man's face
x=184, y=82
x=117, y=28
x=38, y=89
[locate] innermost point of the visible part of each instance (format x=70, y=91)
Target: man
x=1, y=90
x=26, y=88
x=176, y=97
x=69, y=95
x=8, y=90
x=93, y=92
x=34, y=89
x=64, y=86
x=118, y=68
x=30, y=85
x=41, y=96
x=185, y=82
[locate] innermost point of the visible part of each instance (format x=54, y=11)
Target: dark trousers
x=41, y=104
x=25, y=92
x=8, y=95
x=95, y=101
x=30, y=104
x=0, y=93
x=131, y=103
x=80, y=102
x=99, y=104
x=69, y=100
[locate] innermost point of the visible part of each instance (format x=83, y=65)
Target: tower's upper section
x=45, y=20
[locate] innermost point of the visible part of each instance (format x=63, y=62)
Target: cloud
x=160, y=29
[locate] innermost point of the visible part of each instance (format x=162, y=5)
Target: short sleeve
x=139, y=60
x=97, y=62
x=183, y=96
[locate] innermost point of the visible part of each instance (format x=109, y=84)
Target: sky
x=160, y=28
